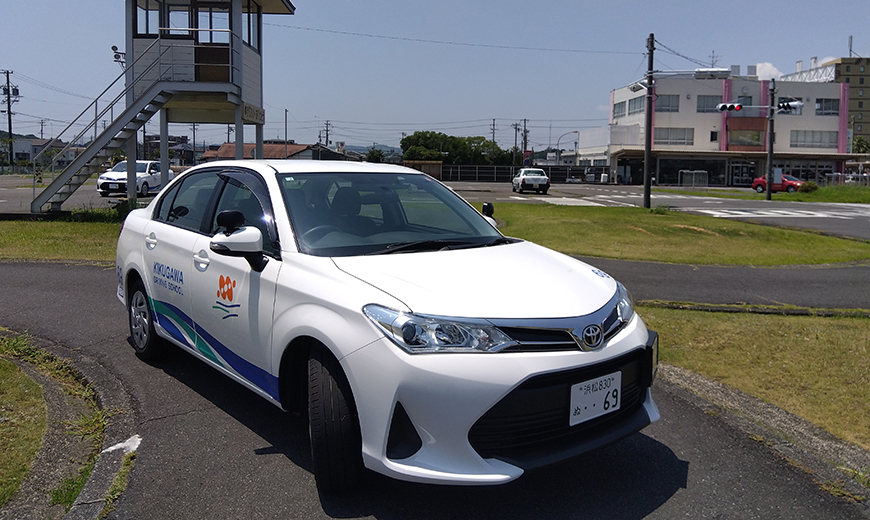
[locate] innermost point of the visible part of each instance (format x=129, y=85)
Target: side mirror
x=488, y=209
x=246, y=242
x=231, y=220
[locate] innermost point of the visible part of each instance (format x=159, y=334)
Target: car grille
x=534, y=416
x=554, y=340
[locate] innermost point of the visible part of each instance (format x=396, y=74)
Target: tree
x=435, y=146
x=375, y=155
x=860, y=145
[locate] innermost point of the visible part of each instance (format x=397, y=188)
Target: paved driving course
x=211, y=449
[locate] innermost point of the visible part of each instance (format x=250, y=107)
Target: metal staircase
x=103, y=146
x=101, y=149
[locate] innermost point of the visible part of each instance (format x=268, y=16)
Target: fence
x=847, y=179
x=486, y=173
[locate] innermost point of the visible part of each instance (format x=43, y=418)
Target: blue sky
x=376, y=69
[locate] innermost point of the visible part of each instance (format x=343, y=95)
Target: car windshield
x=790, y=178
x=122, y=167
x=347, y=214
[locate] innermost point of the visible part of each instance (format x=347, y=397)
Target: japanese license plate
x=594, y=398
x=113, y=186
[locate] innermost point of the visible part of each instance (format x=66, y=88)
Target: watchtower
x=191, y=61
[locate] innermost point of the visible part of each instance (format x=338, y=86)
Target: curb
x=796, y=440
x=111, y=395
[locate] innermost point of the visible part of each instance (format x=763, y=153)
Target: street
x=211, y=449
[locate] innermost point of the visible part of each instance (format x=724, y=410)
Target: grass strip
x=22, y=425
x=669, y=236
x=817, y=368
x=89, y=426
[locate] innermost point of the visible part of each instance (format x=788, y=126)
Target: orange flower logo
x=225, y=288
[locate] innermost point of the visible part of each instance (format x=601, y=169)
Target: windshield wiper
x=424, y=245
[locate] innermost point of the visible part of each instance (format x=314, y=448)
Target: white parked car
x=375, y=298
x=147, y=178
x=530, y=179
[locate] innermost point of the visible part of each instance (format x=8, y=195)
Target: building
x=691, y=134
x=854, y=72
x=275, y=150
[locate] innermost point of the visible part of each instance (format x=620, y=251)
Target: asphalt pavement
x=211, y=449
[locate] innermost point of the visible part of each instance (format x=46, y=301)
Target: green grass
x=90, y=426
x=815, y=367
x=849, y=194
x=22, y=425
x=668, y=236
x=39, y=240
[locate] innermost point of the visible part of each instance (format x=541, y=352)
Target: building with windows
x=855, y=73
x=690, y=133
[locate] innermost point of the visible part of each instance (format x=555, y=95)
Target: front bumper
x=473, y=419
x=112, y=186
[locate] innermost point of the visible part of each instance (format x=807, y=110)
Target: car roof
x=280, y=166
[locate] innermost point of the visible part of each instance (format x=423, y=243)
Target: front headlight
x=625, y=303
x=429, y=334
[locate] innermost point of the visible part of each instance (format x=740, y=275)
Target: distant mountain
x=363, y=149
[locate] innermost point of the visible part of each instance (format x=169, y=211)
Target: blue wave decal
x=256, y=375
x=230, y=316
x=222, y=304
x=205, y=342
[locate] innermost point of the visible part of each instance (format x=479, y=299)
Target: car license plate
x=594, y=398
x=113, y=186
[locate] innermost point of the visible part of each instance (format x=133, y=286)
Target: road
x=212, y=449
x=851, y=220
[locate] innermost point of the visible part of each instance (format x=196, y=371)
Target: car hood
x=117, y=176
x=521, y=280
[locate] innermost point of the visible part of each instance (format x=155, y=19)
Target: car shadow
x=628, y=479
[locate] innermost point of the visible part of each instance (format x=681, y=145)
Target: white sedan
x=147, y=179
x=530, y=179
x=372, y=297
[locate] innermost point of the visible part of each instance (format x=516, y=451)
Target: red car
x=789, y=184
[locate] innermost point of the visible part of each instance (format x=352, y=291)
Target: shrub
x=808, y=187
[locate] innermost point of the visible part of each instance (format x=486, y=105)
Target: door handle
x=151, y=241
x=201, y=260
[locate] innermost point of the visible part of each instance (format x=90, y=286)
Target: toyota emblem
x=592, y=337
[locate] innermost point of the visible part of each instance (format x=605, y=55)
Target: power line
x=442, y=42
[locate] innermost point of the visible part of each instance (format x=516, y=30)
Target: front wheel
x=144, y=191
x=333, y=424
x=145, y=341
x=791, y=189
x=759, y=188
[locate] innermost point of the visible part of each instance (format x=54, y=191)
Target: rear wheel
x=145, y=341
x=144, y=191
x=333, y=424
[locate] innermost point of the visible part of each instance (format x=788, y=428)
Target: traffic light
x=729, y=106
x=788, y=106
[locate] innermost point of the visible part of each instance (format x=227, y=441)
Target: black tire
x=103, y=193
x=145, y=341
x=513, y=188
x=759, y=188
x=144, y=192
x=791, y=189
x=544, y=192
x=333, y=425
x=520, y=189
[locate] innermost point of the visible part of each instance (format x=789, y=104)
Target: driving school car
x=373, y=297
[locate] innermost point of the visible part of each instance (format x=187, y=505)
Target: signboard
x=253, y=115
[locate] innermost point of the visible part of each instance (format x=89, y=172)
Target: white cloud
x=767, y=71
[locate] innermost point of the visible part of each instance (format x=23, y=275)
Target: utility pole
x=647, y=147
x=193, y=128
x=492, y=147
x=285, y=133
x=770, y=113
x=327, y=133
x=9, y=113
x=525, y=136
x=516, y=127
